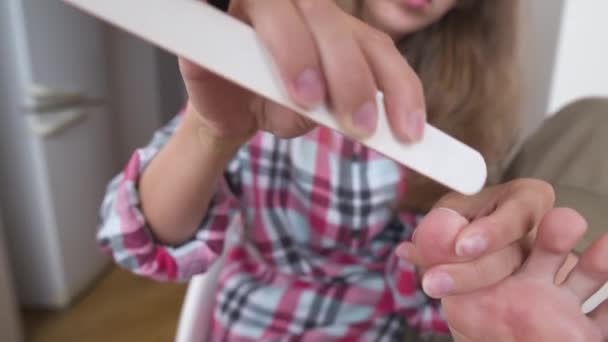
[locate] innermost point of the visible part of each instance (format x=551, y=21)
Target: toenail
x=437, y=284
x=471, y=245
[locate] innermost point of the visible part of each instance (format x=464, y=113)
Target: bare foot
x=529, y=305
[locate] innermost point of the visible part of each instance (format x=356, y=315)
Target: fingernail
x=437, y=284
x=414, y=125
x=365, y=118
x=472, y=245
x=402, y=251
x=453, y=216
x=449, y=210
x=309, y=87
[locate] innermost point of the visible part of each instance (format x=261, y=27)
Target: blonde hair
x=466, y=62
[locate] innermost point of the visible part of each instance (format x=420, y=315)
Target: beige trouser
x=570, y=151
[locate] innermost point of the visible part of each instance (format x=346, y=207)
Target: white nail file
x=230, y=48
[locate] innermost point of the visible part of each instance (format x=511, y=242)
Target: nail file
x=218, y=42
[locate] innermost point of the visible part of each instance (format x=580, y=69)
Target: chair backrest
x=197, y=310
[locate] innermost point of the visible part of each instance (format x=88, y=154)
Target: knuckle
x=538, y=189
x=547, y=190
x=380, y=39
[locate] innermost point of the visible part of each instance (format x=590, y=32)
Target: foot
x=533, y=304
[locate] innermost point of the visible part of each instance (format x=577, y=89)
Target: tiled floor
x=121, y=307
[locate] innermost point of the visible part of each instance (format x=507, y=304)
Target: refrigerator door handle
x=42, y=100
x=50, y=111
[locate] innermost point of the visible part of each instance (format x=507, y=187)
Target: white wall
x=581, y=67
x=539, y=34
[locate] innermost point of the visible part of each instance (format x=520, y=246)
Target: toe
x=558, y=233
x=436, y=234
x=591, y=272
x=600, y=318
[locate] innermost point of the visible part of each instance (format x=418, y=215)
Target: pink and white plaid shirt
x=316, y=263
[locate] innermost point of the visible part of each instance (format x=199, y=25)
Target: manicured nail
x=414, y=125
x=472, y=245
x=365, y=118
x=437, y=284
x=309, y=87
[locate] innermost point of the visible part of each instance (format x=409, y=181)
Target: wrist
x=208, y=137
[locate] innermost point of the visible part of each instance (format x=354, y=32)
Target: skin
x=337, y=58
x=342, y=60
x=535, y=303
x=396, y=19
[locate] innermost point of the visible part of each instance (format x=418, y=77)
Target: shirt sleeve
x=124, y=233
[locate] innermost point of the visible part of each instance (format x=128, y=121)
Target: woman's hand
x=470, y=242
x=533, y=304
x=322, y=53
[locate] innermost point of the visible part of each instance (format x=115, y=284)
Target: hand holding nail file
x=169, y=24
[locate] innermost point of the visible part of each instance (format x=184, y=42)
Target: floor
x=120, y=307
x=124, y=308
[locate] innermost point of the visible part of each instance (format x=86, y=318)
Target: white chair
x=197, y=311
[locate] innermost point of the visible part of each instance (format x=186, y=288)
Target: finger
x=283, y=122
x=471, y=206
x=435, y=236
x=404, y=96
x=352, y=89
x=558, y=233
x=284, y=32
x=516, y=214
x=453, y=279
x=208, y=90
x=591, y=272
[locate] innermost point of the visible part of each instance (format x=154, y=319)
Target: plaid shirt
x=316, y=260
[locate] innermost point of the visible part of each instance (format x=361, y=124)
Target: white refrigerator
x=56, y=147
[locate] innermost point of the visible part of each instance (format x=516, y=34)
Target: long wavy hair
x=467, y=64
